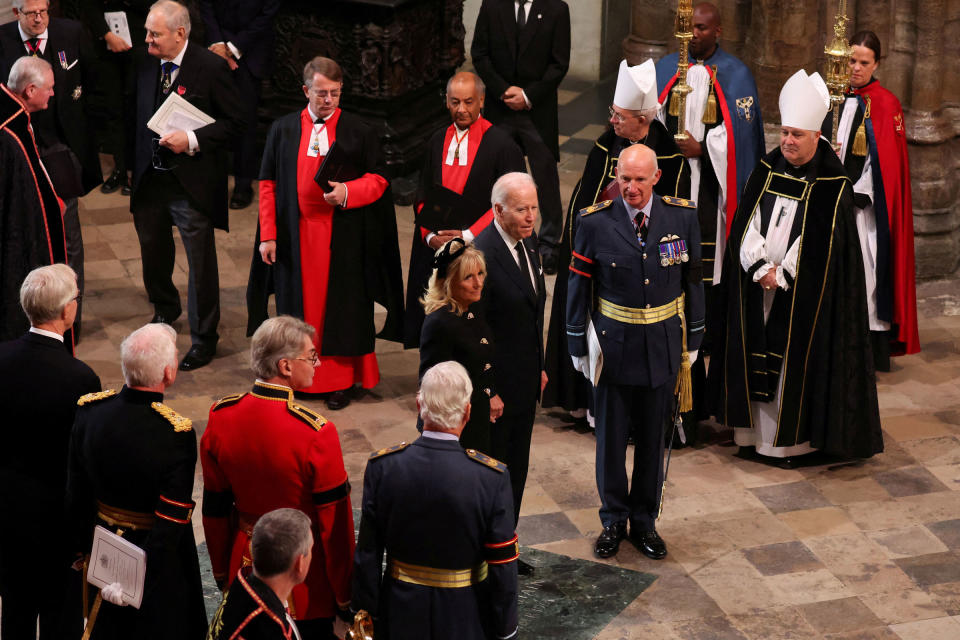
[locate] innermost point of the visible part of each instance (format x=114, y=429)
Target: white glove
x=693, y=355
x=113, y=593
x=582, y=364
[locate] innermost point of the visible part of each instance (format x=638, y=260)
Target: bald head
x=637, y=173
x=706, y=30
x=465, y=92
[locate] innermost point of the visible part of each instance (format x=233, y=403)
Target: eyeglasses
x=313, y=359
x=619, y=117
x=77, y=298
x=36, y=15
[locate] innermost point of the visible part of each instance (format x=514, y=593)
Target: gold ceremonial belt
x=125, y=519
x=631, y=315
x=440, y=578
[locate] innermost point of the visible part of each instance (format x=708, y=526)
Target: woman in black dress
x=453, y=330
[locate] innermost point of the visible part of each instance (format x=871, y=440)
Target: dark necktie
x=318, y=121
x=166, y=77
x=522, y=258
x=521, y=16
x=640, y=224
x=33, y=46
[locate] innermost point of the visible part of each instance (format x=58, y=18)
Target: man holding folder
x=180, y=177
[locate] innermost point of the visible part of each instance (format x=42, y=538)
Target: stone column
x=651, y=29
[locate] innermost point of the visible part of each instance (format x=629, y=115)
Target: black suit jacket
x=248, y=24
x=515, y=316
x=536, y=60
x=68, y=107
x=40, y=383
x=204, y=81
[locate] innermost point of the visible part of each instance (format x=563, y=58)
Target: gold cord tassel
x=860, y=139
x=710, y=110
x=684, y=387
x=674, y=109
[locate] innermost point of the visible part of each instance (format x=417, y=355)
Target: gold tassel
x=710, y=110
x=674, y=109
x=860, y=139
x=684, y=389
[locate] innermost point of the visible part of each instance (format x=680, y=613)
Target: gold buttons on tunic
x=646, y=281
x=483, y=341
x=644, y=256
x=647, y=306
x=613, y=264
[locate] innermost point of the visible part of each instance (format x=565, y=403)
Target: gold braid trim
x=179, y=422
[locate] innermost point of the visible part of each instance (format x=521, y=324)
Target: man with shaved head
x=462, y=163
x=724, y=143
x=638, y=256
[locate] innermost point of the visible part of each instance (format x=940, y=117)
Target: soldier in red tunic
x=261, y=451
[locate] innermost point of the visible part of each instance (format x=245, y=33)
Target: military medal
x=63, y=59
x=77, y=91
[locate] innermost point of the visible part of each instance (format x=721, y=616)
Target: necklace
x=459, y=139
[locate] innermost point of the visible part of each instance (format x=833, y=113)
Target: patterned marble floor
x=870, y=551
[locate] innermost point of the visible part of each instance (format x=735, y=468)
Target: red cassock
x=316, y=225
x=890, y=134
x=261, y=451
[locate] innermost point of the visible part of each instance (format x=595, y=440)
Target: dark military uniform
x=250, y=610
x=131, y=469
x=647, y=286
x=444, y=517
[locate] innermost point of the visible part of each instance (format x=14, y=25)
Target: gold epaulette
x=94, y=397
x=388, y=450
x=486, y=460
x=595, y=207
x=180, y=423
x=680, y=202
x=227, y=401
x=309, y=416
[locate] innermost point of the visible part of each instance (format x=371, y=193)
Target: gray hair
x=276, y=339
x=26, y=71
x=477, y=82
x=505, y=185
x=18, y=4
x=46, y=291
x=146, y=352
x=278, y=538
x=444, y=395
x=174, y=14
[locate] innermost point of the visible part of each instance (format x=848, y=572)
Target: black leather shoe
x=608, y=542
x=338, y=400
x=113, y=183
x=548, y=258
x=199, y=355
x=126, y=190
x=241, y=198
x=525, y=568
x=649, y=543
x=165, y=318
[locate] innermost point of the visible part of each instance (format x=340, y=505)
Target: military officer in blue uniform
x=639, y=257
x=444, y=517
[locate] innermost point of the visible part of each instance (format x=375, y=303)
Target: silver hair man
x=276, y=339
x=146, y=353
x=26, y=71
x=444, y=396
x=175, y=14
x=477, y=82
x=46, y=291
x=506, y=183
x=279, y=536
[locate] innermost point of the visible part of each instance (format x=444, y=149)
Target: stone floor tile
x=909, y=481
x=933, y=629
x=678, y=597
x=902, y=606
x=880, y=514
x=907, y=541
x=536, y=500
x=932, y=507
x=946, y=596
x=934, y=568
x=792, y=496
x=784, y=623
x=915, y=427
x=948, y=531
x=845, y=491
x=876, y=633
x=546, y=527
x=694, y=544
x=735, y=584
x=783, y=557
x=732, y=502
x=716, y=628
x=627, y=630
x=756, y=530
x=590, y=132
x=846, y=614
x=943, y=450
x=806, y=587
x=810, y=523
x=948, y=474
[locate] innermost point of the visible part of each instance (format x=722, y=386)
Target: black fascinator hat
x=447, y=254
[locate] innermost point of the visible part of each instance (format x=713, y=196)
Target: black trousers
x=74, y=237
x=246, y=151
x=510, y=443
x=543, y=168
x=45, y=594
x=624, y=410
x=163, y=204
x=113, y=98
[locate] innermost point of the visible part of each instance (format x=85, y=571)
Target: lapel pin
x=181, y=90
x=77, y=92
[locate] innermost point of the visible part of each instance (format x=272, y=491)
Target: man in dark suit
x=451, y=549
x=68, y=151
x=639, y=256
x=241, y=32
x=513, y=301
x=180, y=177
x=40, y=383
x=521, y=49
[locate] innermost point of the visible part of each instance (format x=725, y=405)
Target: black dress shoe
x=241, y=198
x=649, y=543
x=338, y=400
x=198, y=356
x=164, y=318
x=126, y=190
x=524, y=568
x=548, y=259
x=113, y=183
x=608, y=542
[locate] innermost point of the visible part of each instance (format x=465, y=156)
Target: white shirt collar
x=178, y=59
x=274, y=384
x=507, y=238
x=49, y=334
x=313, y=116
x=440, y=435
x=645, y=208
x=41, y=38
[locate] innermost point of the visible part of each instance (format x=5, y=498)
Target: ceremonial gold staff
x=362, y=628
x=837, y=72
x=678, y=95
